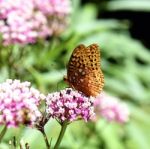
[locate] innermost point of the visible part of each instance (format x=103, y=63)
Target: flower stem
x=3, y=132
x=61, y=134
x=46, y=139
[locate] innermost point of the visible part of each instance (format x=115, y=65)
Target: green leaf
x=143, y=5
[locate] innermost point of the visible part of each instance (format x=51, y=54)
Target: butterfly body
x=84, y=73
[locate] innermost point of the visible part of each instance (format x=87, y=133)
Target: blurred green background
x=121, y=28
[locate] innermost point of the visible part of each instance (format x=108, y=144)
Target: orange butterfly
x=84, y=73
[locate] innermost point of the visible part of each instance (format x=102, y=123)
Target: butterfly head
x=67, y=81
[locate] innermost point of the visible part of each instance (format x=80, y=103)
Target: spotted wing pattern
x=84, y=73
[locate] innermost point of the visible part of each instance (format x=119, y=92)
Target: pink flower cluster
x=111, y=108
x=23, y=22
x=19, y=103
x=69, y=105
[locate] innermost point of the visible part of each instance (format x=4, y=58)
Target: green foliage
x=125, y=63
x=143, y=5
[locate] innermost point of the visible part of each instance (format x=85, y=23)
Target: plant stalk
x=46, y=139
x=3, y=132
x=61, y=134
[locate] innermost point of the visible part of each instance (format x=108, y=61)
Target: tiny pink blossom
x=111, y=108
x=69, y=105
x=19, y=103
x=23, y=22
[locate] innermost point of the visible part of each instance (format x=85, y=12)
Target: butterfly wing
x=84, y=73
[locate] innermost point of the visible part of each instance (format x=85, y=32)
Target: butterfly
x=84, y=73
